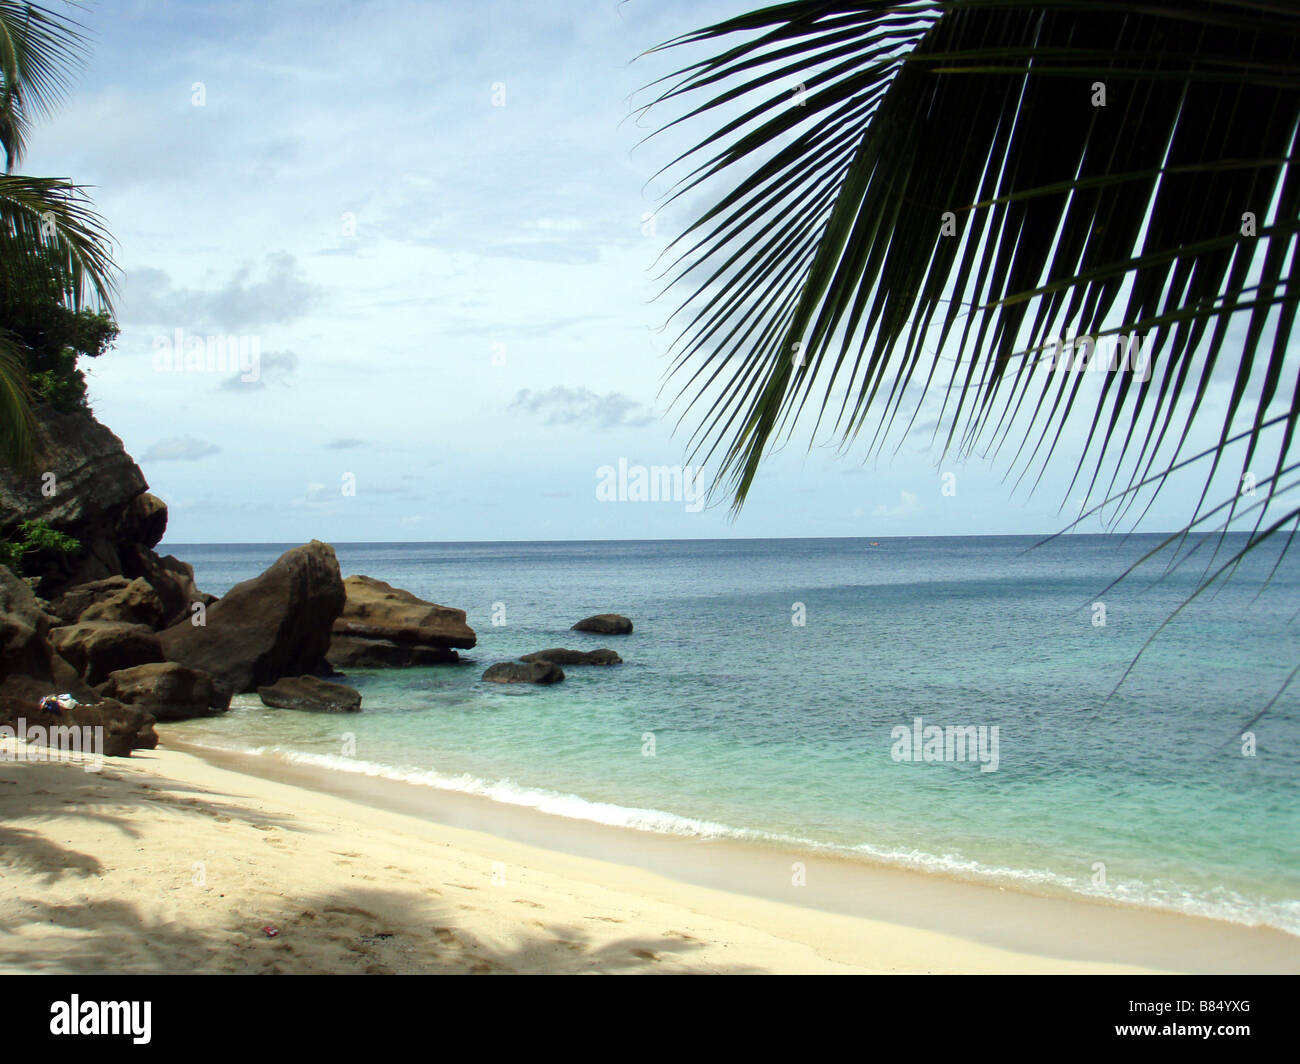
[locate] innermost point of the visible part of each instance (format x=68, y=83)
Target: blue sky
x=453, y=299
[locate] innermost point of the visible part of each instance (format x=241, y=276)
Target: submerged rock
x=561, y=656
x=312, y=694
x=513, y=672
x=276, y=624
x=604, y=624
x=350, y=653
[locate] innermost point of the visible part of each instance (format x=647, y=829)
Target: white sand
x=168, y=863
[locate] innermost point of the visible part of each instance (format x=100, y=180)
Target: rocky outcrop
x=170, y=577
x=29, y=665
x=604, y=624
x=276, y=624
x=168, y=691
x=348, y=653
x=136, y=603
x=384, y=626
x=513, y=672
x=98, y=648
x=311, y=694
x=123, y=728
x=84, y=485
x=561, y=656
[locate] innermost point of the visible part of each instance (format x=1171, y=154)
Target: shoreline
x=573, y=890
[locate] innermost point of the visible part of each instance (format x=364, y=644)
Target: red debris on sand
x=270, y=932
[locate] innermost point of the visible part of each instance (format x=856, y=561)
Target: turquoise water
x=783, y=734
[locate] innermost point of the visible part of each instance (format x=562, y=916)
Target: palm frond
x=38, y=47
x=47, y=225
x=936, y=176
x=16, y=421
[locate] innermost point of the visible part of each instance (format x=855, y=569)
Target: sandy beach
x=169, y=862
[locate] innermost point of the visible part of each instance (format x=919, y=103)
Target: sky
x=436, y=226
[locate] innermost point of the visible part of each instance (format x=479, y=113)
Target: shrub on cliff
x=34, y=537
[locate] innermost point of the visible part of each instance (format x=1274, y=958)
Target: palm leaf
x=909, y=186
x=16, y=423
x=38, y=47
x=46, y=224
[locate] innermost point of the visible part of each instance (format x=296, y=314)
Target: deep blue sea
x=729, y=718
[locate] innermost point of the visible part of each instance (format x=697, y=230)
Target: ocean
x=771, y=691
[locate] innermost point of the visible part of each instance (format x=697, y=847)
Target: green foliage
x=55, y=252
x=35, y=537
x=54, y=336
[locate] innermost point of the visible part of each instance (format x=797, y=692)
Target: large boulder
x=121, y=728
x=561, y=656
x=348, y=653
x=72, y=602
x=534, y=672
x=171, y=578
x=99, y=648
x=168, y=691
x=136, y=603
x=86, y=487
x=276, y=624
x=604, y=624
x=23, y=628
x=312, y=694
x=384, y=626
x=29, y=663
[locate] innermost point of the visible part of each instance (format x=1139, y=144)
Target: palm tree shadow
x=362, y=931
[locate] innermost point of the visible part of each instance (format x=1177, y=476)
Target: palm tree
x=46, y=225
x=938, y=198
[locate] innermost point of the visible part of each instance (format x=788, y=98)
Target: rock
x=144, y=521
x=311, y=694
x=349, y=653
x=136, y=603
x=560, y=656
x=75, y=600
x=29, y=664
x=604, y=624
x=124, y=728
x=23, y=628
x=276, y=624
x=168, y=691
x=98, y=648
x=95, y=485
x=533, y=672
x=171, y=578
x=383, y=626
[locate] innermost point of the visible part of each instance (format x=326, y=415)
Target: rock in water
x=277, y=624
x=168, y=691
x=352, y=653
x=604, y=624
x=311, y=694
x=560, y=656
x=98, y=648
x=384, y=626
x=533, y=672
